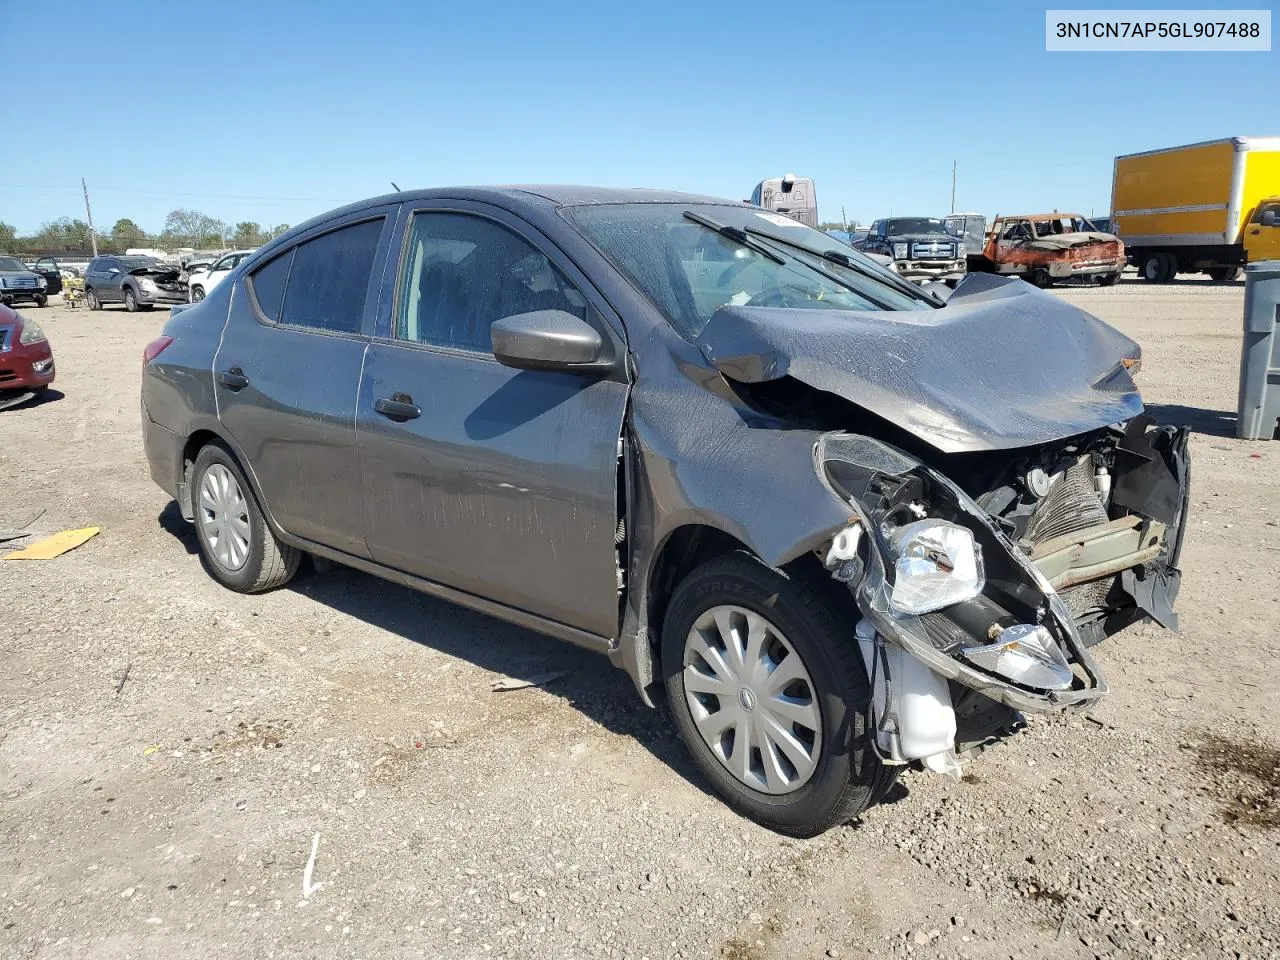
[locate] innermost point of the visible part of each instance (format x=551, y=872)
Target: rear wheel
x=236, y=545
x=91, y=299
x=130, y=300
x=1223, y=274
x=768, y=690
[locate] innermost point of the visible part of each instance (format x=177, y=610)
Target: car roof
x=1041, y=216
x=522, y=198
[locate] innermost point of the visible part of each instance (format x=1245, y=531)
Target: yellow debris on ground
x=55, y=545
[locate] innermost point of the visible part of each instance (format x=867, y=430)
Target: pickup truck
x=921, y=248
x=1044, y=248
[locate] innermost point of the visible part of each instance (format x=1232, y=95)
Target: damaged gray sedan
x=846, y=525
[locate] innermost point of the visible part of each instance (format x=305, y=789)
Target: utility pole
x=843, y=219
x=953, y=186
x=93, y=237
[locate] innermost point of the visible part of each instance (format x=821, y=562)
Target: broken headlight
x=936, y=564
x=1025, y=653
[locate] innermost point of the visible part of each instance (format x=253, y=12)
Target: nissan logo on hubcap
x=747, y=698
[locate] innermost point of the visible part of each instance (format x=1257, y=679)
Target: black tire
x=91, y=299
x=42, y=300
x=1109, y=279
x=1223, y=274
x=1158, y=268
x=1039, y=277
x=130, y=300
x=196, y=294
x=146, y=307
x=268, y=563
x=849, y=776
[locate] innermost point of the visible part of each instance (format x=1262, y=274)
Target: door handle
x=1255, y=231
x=233, y=379
x=398, y=407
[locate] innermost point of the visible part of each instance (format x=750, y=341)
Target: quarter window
x=328, y=279
x=268, y=285
x=463, y=272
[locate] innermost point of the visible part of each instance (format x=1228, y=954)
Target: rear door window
x=328, y=280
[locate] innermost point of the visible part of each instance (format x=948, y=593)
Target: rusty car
x=1044, y=248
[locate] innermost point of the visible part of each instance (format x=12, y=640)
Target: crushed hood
x=156, y=270
x=1001, y=366
x=1065, y=241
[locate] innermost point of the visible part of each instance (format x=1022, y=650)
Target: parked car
x=203, y=278
x=138, y=282
x=921, y=248
x=20, y=284
x=847, y=527
x=48, y=268
x=26, y=359
x=1043, y=248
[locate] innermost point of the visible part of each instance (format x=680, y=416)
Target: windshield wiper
x=736, y=234
x=849, y=263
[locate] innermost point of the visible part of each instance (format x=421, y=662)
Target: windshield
x=11, y=263
x=689, y=271
x=133, y=263
x=916, y=225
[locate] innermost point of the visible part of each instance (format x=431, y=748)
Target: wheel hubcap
x=224, y=518
x=752, y=699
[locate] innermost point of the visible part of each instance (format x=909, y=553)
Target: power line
x=166, y=193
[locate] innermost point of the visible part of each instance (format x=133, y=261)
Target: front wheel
x=1039, y=277
x=1109, y=279
x=42, y=300
x=130, y=301
x=92, y=300
x=196, y=294
x=1223, y=274
x=1159, y=268
x=236, y=545
x=768, y=689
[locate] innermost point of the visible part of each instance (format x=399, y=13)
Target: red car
x=26, y=359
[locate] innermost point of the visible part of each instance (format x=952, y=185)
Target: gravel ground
x=176, y=815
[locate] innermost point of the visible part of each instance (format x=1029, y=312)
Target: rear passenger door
x=495, y=481
x=287, y=372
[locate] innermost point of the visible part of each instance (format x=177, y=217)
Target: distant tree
x=64, y=234
x=9, y=242
x=248, y=234
x=127, y=234
x=193, y=228
x=279, y=229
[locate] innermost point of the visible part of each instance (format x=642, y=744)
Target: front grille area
x=933, y=250
x=7, y=375
x=20, y=283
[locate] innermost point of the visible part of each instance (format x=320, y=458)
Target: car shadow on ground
x=1212, y=423
x=590, y=683
x=24, y=400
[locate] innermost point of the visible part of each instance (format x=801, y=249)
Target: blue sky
x=274, y=112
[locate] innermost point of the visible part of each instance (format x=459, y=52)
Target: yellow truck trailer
x=1211, y=206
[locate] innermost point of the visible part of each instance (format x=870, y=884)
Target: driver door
x=499, y=482
x=1262, y=236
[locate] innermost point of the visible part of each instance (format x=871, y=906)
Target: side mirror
x=547, y=340
x=1269, y=217
x=113, y=270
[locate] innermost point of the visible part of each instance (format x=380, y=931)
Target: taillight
x=154, y=349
